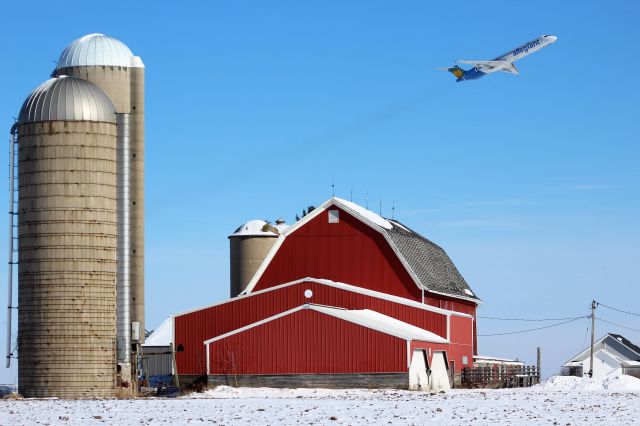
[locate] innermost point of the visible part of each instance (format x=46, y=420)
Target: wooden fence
x=500, y=376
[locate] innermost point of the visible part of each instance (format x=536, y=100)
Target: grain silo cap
x=67, y=99
x=97, y=50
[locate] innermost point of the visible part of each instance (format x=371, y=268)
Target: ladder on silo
x=13, y=235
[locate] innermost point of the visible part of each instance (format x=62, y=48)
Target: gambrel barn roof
x=427, y=263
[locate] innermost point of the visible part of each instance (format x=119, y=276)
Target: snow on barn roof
x=161, y=336
x=366, y=214
x=363, y=317
x=379, y=322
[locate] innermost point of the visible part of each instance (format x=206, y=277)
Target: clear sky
x=253, y=109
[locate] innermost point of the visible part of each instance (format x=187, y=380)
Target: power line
x=534, y=329
x=531, y=319
x=619, y=310
x=618, y=325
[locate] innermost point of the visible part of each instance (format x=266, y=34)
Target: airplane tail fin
x=455, y=70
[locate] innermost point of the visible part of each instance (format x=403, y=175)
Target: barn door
x=439, y=373
x=418, y=377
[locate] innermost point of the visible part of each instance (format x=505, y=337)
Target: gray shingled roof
x=429, y=262
x=627, y=343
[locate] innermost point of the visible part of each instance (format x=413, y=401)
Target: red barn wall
x=308, y=342
x=466, y=307
x=349, y=252
x=462, y=343
x=191, y=329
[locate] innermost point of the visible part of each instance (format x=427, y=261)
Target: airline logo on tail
x=457, y=71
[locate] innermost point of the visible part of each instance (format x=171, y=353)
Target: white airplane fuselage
x=524, y=50
x=504, y=62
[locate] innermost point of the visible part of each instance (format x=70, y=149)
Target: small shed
x=613, y=355
x=157, y=355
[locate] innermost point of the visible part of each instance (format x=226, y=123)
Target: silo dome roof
x=97, y=49
x=255, y=228
x=67, y=99
x=281, y=225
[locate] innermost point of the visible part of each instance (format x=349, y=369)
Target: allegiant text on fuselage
x=526, y=47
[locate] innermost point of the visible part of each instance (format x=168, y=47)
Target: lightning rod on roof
x=393, y=210
x=333, y=187
x=366, y=200
x=380, y=210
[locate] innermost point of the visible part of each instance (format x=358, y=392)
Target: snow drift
x=571, y=383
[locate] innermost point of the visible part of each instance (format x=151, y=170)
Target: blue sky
x=253, y=109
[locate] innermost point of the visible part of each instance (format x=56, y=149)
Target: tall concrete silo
x=111, y=65
x=249, y=245
x=67, y=241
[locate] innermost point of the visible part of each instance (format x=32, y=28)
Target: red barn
x=387, y=307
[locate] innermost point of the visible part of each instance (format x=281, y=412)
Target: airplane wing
x=488, y=65
x=510, y=69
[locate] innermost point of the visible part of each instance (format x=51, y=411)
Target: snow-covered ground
x=561, y=401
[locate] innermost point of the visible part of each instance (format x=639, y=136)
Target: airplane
x=504, y=63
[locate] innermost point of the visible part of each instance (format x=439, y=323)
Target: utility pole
x=593, y=335
x=539, y=363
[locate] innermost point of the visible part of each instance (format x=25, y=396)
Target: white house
x=612, y=355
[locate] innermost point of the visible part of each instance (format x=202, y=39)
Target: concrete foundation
x=328, y=381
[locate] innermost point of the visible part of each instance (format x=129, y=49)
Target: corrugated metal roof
x=97, y=49
x=67, y=99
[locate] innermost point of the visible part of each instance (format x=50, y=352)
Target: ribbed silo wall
x=137, y=197
x=114, y=81
x=125, y=87
x=67, y=259
x=246, y=255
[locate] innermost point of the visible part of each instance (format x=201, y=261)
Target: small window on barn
x=334, y=216
x=465, y=360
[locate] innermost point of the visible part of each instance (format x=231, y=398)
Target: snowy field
x=560, y=401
